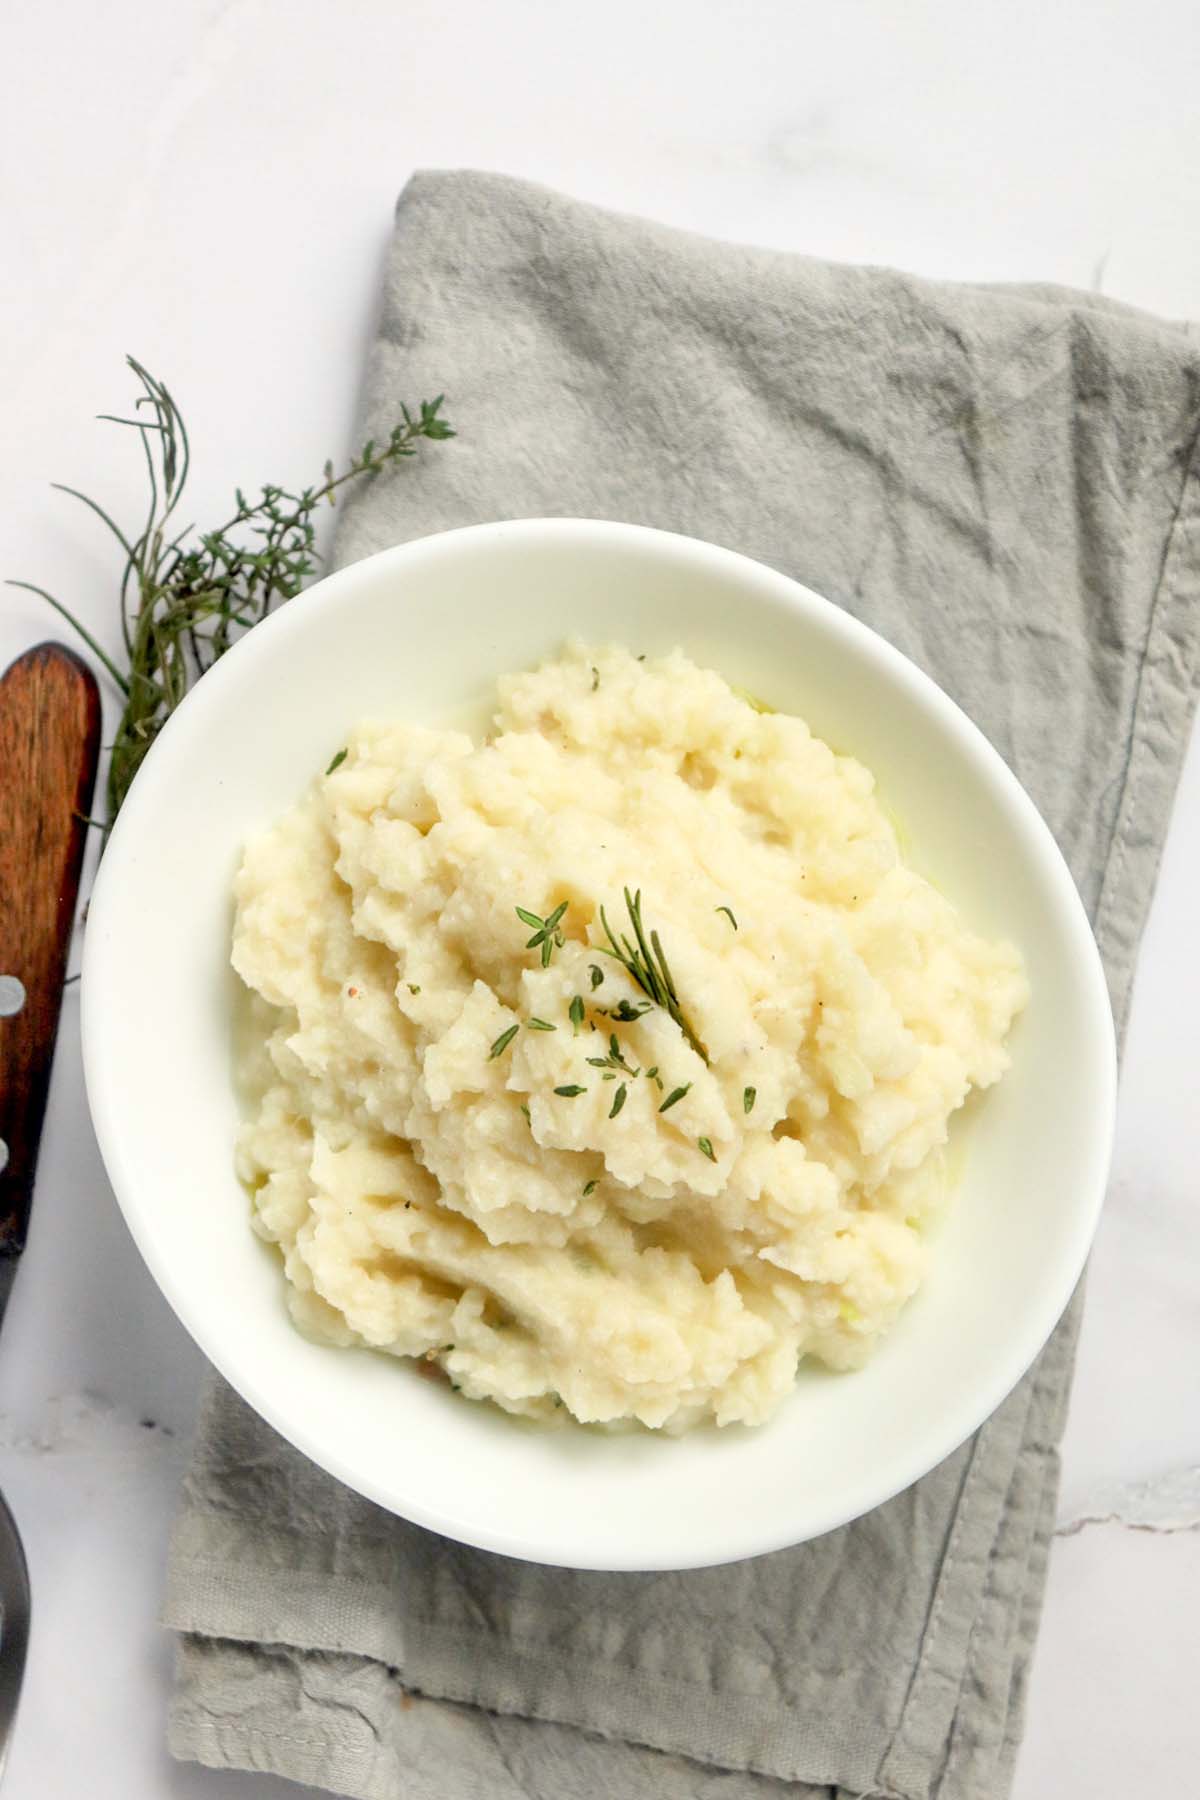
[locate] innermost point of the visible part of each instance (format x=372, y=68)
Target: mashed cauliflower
x=435, y=1139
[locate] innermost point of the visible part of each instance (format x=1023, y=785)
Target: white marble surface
x=208, y=183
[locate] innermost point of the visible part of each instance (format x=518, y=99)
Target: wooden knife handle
x=49, y=742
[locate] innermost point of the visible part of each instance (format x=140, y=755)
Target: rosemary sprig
x=646, y=964
x=186, y=596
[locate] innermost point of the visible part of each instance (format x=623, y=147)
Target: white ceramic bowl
x=420, y=633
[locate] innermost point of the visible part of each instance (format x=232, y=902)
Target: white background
x=209, y=185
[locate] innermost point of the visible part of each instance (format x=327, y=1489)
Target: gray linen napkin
x=1004, y=482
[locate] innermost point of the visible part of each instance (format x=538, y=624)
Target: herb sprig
x=646, y=963
x=186, y=596
x=624, y=1012
x=615, y=1059
x=547, y=935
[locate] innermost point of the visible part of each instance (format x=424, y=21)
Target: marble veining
x=1169, y=1503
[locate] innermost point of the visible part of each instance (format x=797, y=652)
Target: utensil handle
x=49, y=743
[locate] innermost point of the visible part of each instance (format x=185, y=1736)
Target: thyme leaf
x=546, y=934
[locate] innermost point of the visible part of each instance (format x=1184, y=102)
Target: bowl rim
x=340, y=587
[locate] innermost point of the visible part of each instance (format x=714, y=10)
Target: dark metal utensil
x=49, y=741
x=14, y=1624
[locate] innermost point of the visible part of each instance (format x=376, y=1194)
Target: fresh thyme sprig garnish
x=645, y=961
x=625, y=1012
x=546, y=933
x=615, y=1060
x=646, y=964
x=186, y=596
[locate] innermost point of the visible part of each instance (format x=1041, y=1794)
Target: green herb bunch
x=645, y=962
x=185, y=595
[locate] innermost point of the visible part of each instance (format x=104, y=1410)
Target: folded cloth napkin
x=1002, y=481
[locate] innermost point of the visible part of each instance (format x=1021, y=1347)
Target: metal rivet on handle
x=12, y=997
